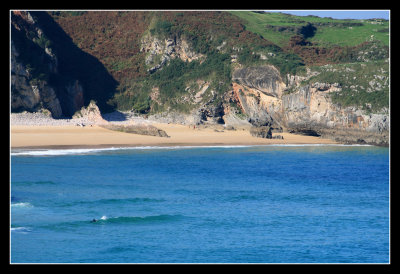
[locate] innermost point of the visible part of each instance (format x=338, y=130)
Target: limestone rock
x=160, y=51
x=265, y=79
x=91, y=113
x=140, y=129
x=261, y=132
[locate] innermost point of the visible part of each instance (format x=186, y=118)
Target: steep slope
x=227, y=68
x=47, y=67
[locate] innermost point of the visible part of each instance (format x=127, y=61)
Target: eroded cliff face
x=263, y=98
x=258, y=95
x=265, y=79
x=28, y=93
x=310, y=110
x=33, y=64
x=160, y=51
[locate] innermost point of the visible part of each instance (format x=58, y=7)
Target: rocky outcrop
x=33, y=65
x=262, y=132
x=29, y=91
x=259, y=97
x=137, y=129
x=260, y=109
x=73, y=98
x=265, y=79
x=310, y=110
x=160, y=51
x=263, y=99
x=91, y=113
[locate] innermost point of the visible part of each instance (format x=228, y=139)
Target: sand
x=68, y=136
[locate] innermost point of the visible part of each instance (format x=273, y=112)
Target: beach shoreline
x=37, y=131
x=67, y=137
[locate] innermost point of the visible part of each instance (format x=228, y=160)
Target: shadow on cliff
x=74, y=63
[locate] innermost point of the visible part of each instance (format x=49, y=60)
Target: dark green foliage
x=198, y=44
x=367, y=51
x=246, y=57
x=287, y=63
x=67, y=13
x=43, y=42
x=161, y=28
x=142, y=104
x=370, y=101
x=172, y=81
x=364, y=85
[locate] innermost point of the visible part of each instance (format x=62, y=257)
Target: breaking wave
x=84, y=151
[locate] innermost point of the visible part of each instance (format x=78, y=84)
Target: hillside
x=280, y=27
x=208, y=67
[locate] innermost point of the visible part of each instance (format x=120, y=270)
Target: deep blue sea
x=250, y=204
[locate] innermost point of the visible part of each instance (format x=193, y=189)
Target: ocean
x=279, y=204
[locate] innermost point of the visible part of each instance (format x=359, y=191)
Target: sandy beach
x=28, y=136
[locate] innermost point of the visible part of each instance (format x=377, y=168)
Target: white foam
x=20, y=229
x=57, y=152
x=103, y=217
x=21, y=205
x=60, y=152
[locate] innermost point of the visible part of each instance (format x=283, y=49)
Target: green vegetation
x=172, y=81
x=329, y=31
x=67, y=13
x=161, y=28
x=364, y=85
x=290, y=43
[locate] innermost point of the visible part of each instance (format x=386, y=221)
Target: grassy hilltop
x=279, y=27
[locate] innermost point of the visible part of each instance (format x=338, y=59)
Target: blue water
x=260, y=204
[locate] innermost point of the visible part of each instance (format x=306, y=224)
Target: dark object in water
x=93, y=221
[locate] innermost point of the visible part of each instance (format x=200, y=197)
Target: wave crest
x=145, y=219
x=60, y=152
x=25, y=205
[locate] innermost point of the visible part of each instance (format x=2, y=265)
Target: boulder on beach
x=91, y=113
x=261, y=132
x=141, y=129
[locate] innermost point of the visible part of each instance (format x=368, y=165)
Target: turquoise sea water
x=251, y=204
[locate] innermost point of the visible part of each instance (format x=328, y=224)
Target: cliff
x=309, y=109
x=239, y=69
x=35, y=70
x=49, y=72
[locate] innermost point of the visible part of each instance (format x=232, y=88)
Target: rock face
x=160, y=51
x=91, y=113
x=33, y=64
x=265, y=79
x=310, y=109
x=262, y=132
x=28, y=92
x=137, y=129
x=260, y=109
x=260, y=95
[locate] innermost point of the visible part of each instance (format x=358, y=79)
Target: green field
x=329, y=31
